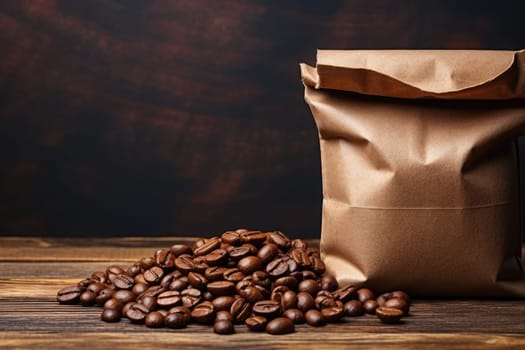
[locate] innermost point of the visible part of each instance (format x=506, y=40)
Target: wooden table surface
x=33, y=269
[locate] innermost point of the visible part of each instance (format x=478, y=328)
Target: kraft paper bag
x=420, y=169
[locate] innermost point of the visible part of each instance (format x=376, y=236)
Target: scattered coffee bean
x=87, y=298
x=295, y=315
x=364, y=294
x=223, y=327
x=256, y=323
x=370, y=306
x=315, y=318
x=69, y=295
x=389, y=314
x=154, y=320
x=262, y=279
x=354, y=308
x=110, y=315
x=175, y=320
x=280, y=325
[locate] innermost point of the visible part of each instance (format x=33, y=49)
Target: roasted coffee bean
x=346, y=293
x=402, y=295
x=308, y=275
x=333, y=314
x=295, y=315
x=216, y=257
x=137, y=313
x=175, y=320
x=253, y=237
x=354, y=308
x=267, y=308
x=180, y=249
x=169, y=298
x=69, y=295
x=207, y=247
x=301, y=258
x=315, y=318
x=126, y=307
x=153, y=291
x=184, y=263
x=288, y=281
x=125, y=296
x=370, y=306
x=318, y=265
x=237, y=253
x=249, y=264
x=231, y=237
x=203, y=313
x=103, y=296
x=254, y=277
x=87, y=298
x=214, y=273
x=268, y=252
x=183, y=310
x=140, y=279
x=154, y=320
x=134, y=270
x=280, y=239
x=277, y=268
x=197, y=280
x=223, y=315
x=113, y=271
x=299, y=243
x=179, y=284
x=240, y=310
x=233, y=275
x=323, y=301
x=305, y=301
x=308, y=286
x=278, y=292
x=397, y=303
x=329, y=283
x=110, y=315
x=164, y=258
x=191, y=297
x=199, y=264
x=388, y=314
x=223, y=303
x=99, y=276
x=261, y=278
x=149, y=301
x=280, y=325
x=147, y=263
x=153, y=275
x=139, y=288
x=251, y=293
x=169, y=278
x=221, y=288
x=223, y=327
x=364, y=294
x=96, y=287
x=256, y=323
x=289, y=300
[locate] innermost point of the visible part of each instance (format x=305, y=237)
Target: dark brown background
x=187, y=117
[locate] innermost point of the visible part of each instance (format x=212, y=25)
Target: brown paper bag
x=420, y=169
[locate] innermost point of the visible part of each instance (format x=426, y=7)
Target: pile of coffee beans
x=264, y=280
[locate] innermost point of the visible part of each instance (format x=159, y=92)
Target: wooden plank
x=31, y=317
x=302, y=339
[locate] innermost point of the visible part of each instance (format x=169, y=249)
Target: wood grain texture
x=30, y=317
x=187, y=117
